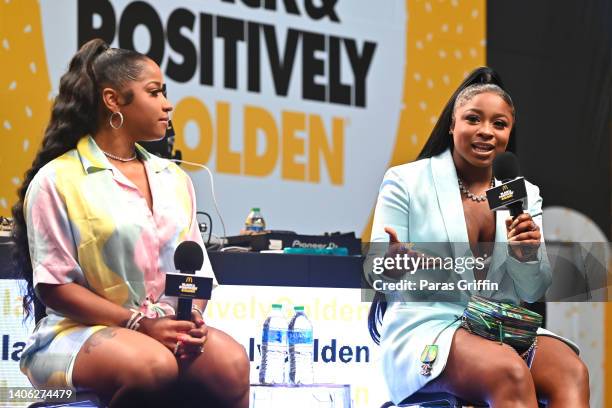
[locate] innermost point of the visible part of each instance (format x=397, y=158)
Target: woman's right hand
x=398, y=248
x=395, y=247
x=166, y=330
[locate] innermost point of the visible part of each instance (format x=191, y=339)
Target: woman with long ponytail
x=95, y=229
x=438, y=203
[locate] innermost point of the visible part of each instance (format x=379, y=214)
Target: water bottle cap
x=255, y=209
x=277, y=306
x=298, y=308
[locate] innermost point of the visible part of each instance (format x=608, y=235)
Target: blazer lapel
x=449, y=197
x=451, y=208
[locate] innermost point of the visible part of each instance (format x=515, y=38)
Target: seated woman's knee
x=582, y=373
x=237, y=367
x=510, y=376
x=232, y=370
x=150, y=369
x=576, y=373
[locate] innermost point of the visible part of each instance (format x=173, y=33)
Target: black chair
x=432, y=400
x=82, y=400
x=437, y=400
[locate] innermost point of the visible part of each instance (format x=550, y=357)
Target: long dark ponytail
x=75, y=112
x=439, y=140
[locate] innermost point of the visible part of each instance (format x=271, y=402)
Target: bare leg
x=114, y=360
x=223, y=368
x=560, y=377
x=482, y=370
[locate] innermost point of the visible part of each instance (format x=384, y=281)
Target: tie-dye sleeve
x=195, y=235
x=50, y=236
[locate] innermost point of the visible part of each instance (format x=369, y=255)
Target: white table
x=302, y=396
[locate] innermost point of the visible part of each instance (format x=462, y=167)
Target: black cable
x=210, y=224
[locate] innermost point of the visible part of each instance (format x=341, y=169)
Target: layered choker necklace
x=121, y=159
x=472, y=196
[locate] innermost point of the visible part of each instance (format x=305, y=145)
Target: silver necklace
x=472, y=196
x=121, y=159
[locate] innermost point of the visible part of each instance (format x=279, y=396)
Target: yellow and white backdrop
x=297, y=108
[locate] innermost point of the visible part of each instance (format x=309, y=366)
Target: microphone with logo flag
x=188, y=258
x=511, y=194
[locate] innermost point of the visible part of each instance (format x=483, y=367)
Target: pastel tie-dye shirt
x=89, y=224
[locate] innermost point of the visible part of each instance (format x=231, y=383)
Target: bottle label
x=300, y=337
x=255, y=228
x=274, y=336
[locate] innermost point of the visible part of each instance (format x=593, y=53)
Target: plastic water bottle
x=255, y=221
x=300, y=348
x=273, y=348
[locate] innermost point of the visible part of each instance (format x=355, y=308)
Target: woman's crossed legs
x=482, y=370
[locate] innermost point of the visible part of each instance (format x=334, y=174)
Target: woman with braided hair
x=96, y=227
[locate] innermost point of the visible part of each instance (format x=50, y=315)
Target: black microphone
x=506, y=167
x=512, y=192
x=188, y=258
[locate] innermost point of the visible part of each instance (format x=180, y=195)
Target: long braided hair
x=77, y=111
x=439, y=140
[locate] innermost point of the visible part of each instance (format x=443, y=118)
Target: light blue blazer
x=422, y=202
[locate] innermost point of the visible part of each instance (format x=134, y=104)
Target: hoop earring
x=110, y=121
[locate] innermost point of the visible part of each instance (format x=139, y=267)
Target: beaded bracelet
x=197, y=309
x=134, y=322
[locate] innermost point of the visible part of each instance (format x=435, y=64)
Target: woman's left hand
x=191, y=344
x=523, y=237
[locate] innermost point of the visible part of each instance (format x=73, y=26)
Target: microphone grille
x=506, y=166
x=188, y=256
